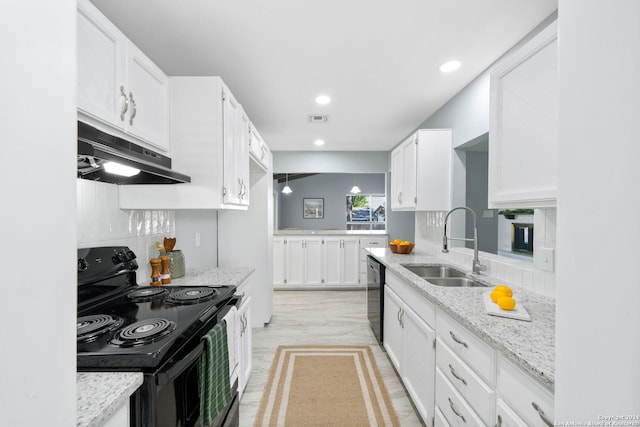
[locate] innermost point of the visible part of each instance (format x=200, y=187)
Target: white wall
x=37, y=179
x=598, y=302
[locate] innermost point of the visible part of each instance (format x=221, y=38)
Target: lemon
x=506, y=303
x=496, y=294
x=505, y=289
x=404, y=243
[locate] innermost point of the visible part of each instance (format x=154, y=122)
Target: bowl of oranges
x=401, y=246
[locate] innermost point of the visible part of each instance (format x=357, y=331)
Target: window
x=366, y=212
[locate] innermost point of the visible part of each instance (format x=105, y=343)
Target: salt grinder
x=155, y=272
x=165, y=275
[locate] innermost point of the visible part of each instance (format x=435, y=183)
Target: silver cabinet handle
x=453, y=372
x=125, y=104
x=456, y=339
x=499, y=423
x=543, y=417
x=134, y=111
x=400, y=197
x=398, y=316
x=454, y=410
x=402, y=318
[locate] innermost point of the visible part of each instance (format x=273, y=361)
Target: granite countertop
x=330, y=232
x=102, y=394
x=530, y=345
x=223, y=276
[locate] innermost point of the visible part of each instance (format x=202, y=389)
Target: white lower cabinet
x=244, y=344
x=120, y=418
x=303, y=264
x=341, y=261
x=365, y=243
x=279, y=261
x=409, y=342
x=453, y=377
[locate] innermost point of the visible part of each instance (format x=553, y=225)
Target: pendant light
x=287, y=189
x=355, y=189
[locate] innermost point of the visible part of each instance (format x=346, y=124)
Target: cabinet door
x=244, y=344
x=418, y=373
x=295, y=261
x=231, y=116
x=506, y=417
x=313, y=264
x=392, y=326
x=350, y=261
x=523, y=133
x=279, y=261
x=332, y=261
x=101, y=66
x=409, y=178
x=148, y=92
x=241, y=157
x=396, y=178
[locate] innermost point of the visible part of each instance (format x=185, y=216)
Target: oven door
x=170, y=397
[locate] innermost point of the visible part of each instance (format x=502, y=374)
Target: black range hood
x=95, y=148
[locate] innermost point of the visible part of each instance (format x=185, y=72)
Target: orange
x=397, y=242
x=495, y=295
x=505, y=289
x=506, y=303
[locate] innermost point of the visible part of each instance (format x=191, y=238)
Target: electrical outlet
x=545, y=258
x=197, y=239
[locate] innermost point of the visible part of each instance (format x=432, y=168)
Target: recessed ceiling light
x=323, y=99
x=319, y=142
x=450, y=66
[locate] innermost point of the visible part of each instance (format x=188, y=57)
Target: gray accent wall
x=477, y=184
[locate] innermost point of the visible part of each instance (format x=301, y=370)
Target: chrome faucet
x=477, y=267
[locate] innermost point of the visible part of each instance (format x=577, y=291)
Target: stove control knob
x=82, y=264
x=131, y=255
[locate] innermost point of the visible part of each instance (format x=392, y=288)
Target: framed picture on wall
x=313, y=208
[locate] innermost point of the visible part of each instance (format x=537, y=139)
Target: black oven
x=156, y=331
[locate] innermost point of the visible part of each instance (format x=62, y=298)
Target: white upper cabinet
x=210, y=134
x=119, y=89
x=258, y=150
x=421, y=172
x=523, y=137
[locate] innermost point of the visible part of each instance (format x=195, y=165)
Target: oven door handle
x=168, y=375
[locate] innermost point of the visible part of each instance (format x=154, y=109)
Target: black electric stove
x=155, y=330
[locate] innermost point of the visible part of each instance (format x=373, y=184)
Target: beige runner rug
x=325, y=386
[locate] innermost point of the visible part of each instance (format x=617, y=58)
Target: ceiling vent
x=317, y=118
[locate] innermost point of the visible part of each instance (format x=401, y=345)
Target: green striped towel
x=213, y=371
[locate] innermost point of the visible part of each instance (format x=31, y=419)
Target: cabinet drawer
x=454, y=407
x=439, y=419
x=418, y=303
x=479, y=395
x=506, y=417
x=524, y=395
x=478, y=355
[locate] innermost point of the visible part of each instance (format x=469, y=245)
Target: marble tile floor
x=323, y=318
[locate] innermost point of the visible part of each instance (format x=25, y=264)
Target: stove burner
x=192, y=295
x=91, y=327
x=147, y=293
x=143, y=332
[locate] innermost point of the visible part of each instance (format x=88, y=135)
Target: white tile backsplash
x=102, y=223
x=429, y=231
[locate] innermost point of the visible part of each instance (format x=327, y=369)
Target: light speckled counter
x=330, y=233
x=530, y=345
x=102, y=394
x=223, y=276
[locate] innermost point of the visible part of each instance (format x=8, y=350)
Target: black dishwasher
x=375, y=296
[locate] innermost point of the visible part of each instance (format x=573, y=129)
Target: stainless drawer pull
x=454, y=410
x=453, y=372
x=499, y=423
x=456, y=339
x=543, y=417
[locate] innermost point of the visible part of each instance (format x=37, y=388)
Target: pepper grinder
x=165, y=275
x=155, y=272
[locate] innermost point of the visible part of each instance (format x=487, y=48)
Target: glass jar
x=176, y=264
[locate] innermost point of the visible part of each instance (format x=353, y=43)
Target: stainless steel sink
x=429, y=271
x=455, y=282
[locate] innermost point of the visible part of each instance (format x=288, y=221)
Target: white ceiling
x=377, y=59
